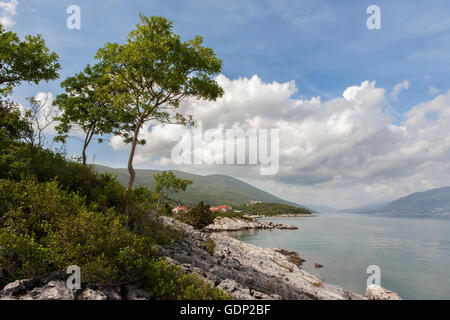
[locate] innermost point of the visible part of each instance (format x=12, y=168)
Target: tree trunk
x=130, y=166
x=87, y=140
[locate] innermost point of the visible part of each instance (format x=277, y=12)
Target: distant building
x=179, y=209
x=255, y=201
x=225, y=208
x=222, y=208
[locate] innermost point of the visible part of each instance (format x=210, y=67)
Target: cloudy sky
x=364, y=115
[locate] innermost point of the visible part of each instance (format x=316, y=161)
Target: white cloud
x=341, y=152
x=7, y=13
x=399, y=87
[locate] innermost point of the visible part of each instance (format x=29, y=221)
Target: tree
x=24, y=61
x=199, y=217
x=157, y=71
x=86, y=106
x=41, y=115
x=12, y=125
x=166, y=184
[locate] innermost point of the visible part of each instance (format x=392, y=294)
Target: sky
x=364, y=115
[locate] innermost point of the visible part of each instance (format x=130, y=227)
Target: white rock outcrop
x=374, y=292
x=234, y=224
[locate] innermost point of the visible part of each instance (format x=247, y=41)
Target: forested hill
x=431, y=203
x=212, y=189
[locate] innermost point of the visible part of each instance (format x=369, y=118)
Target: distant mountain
x=364, y=209
x=212, y=189
x=322, y=209
x=431, y=203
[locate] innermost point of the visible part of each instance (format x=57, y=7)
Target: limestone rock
x=234, y=224
x=91, y=294
x=134, y=293
x=374, y=292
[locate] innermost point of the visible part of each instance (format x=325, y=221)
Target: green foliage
x=86, y=105
x=12, y=125
x=272, y=209
x=21, y=257
x=171, y=283
x=24, y=61
x=230, y=214
x=154, y=71
x=166, y=184
x=209, y=245
x=32, y=208
x=199, y=217
x=45, y=228
x=101, y=245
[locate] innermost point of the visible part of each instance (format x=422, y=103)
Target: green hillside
x=433, y=202
x=272, y=209
x=212, y=189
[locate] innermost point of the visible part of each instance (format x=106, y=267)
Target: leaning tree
x=157, y=71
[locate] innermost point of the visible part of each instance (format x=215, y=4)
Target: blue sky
x=324, y=46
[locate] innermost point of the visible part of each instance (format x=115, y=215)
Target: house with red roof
x=179, y=209
x=222, y=208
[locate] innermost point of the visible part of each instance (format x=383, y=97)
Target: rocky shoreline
x=235, y=224
x=243, y=270
x=284, y=216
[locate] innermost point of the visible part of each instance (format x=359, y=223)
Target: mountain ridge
x=214, y=189
x=429, y=203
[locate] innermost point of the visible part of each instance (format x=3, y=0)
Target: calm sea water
x=413, y=254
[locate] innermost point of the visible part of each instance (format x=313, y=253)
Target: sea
x=410, y=256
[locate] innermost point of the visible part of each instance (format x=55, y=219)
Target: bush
x=101, y=245
x=209, y=245
x=22, y=161
x=31, y=208
x=170, y=283
x=55, y=213
x=199, y=217
x=21, y=257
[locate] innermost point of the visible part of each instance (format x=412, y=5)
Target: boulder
x=374, y=292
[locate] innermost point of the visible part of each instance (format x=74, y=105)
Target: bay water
x=413, y=254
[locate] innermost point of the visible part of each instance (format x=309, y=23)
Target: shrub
x=101, y=245
x=31, y=208
x=199, y=217
x=21, y=257
x=209, y=245
x=169, y=282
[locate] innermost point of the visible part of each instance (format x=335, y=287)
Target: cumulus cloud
x=345, y=151
x=7, y=13
x=399, y=87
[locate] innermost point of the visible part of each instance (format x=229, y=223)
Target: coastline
x=247, y=271
x=224, y=224
x=284, y=216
